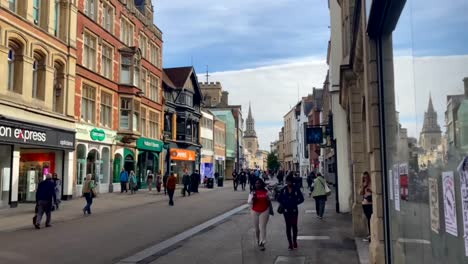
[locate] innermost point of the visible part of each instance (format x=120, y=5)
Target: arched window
x=15, y=66
x=59, y=86
x=39, y=78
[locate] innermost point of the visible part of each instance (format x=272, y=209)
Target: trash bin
x=220, y=181
x=210, y=183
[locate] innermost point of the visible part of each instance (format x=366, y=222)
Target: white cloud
x=272, y=90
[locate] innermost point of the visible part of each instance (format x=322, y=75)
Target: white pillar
x=68, y=175
x=15, y=177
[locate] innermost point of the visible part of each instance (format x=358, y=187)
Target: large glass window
x=107, y=58
x=153, y=87
x=106, y=109
x=144, y=46
x=125, y=112
x=130, y=69
x=126, y=33
x=426, y=127
x=91, y=9
x=108, y=17
x=88, y=104
x=154, y=125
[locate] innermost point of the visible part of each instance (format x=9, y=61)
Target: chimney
x=225, y=98
x=465, y=81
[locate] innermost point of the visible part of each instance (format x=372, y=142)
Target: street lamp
x=166, y=146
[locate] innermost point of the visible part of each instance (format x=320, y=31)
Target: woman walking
x=158, y=182
x=89, y=193
x=149, y=181
x=320, y=195
x=289, y=199
x=132, y=182
x=260, y=211
x=58, y=190
x=366, y=193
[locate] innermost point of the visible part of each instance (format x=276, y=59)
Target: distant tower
x=431, y=134
x=250, y=136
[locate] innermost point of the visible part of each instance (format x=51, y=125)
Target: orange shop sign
x=183, y=154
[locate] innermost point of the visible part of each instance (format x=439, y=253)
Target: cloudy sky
x=272, y=52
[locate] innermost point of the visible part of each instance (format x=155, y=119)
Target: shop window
x=59, y=86
x=15, y=66
x=89, y=54
x=88, y=104
x=154, y=125
x=154, y=88
x=107, y=61
x=136, y=116
x=125, y=113
x=143, y=122
x=39, y=76
x=108, y=17
x=91, y=9
x=106, y=109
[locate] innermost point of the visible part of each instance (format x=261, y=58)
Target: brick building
x=118, y=100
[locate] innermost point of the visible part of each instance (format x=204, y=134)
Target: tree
x=272, y=162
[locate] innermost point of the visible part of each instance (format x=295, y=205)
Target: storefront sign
x=183, y=154
x=150, y=144
x=450, y=207
x=29, y=134
x=97, y=134
x=463, y=172
x=434, y=204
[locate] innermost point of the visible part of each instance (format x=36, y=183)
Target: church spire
x=250, y=132
x=250, y=112
x=430, y=108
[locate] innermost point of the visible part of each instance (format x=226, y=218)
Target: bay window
x=125, y=112
x=130, y=68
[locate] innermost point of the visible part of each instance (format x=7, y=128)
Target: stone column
x=69, y=164
x=3, y=67
x=15, y=177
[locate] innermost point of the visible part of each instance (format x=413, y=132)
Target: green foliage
x=272, y=161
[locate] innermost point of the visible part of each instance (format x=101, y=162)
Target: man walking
x=166, y=176
x=186, y=183
x=45, y=195
x=171, y=186
x=123, y=180
x=243, y=179
x=235, y=179
x=195, y=181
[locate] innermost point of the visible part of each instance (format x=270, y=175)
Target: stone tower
x=431, y=134
x=250, y=136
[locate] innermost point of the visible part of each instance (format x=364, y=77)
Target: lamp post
x=167, y=144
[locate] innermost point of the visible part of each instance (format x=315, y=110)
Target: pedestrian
x=149, y=181
x=158, y=181
x=298, y=180
x=123, y=180
x=132, y=182
x=320, y=195
x=45, y=197
x=252, y=180
x=166, y=176
x=195, y=181
x=235, y=180
x=289, y=199
x=186, y=183
x=261, y=203
x=310, y=182
x=243, y=180
x=89, y=192
x=171, y=186
x=366, y=192
x=58, y=190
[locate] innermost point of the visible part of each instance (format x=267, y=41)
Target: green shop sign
x=97, y=134
x=150, y=144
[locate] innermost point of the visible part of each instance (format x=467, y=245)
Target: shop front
x=220, y=165
x=182, y=159
x=207, y=168
x=149, y=151
x=93, y=156
x=123, y=158
x=28, y=152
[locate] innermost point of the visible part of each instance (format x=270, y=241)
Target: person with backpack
x=260, y=201
x=289, y=199
x=320, y=193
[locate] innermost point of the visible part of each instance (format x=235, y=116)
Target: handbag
x=327, y=189
x=280, y=209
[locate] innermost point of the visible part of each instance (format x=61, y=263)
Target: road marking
x=313, y=237
x=290, y=260
x=416, y=241
x=155, y=249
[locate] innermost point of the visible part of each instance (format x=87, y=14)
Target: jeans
x=367, y=208
x=236, y=184
x=260, y=224
x=320, y=204
x=123, y=186
x=44, y=207
x=171, y=196
x=89, y=202
x=243, y=185
x=291, y=225
x=186, y=189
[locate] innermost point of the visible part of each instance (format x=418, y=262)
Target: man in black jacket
x=195, y=181
x=45, y=196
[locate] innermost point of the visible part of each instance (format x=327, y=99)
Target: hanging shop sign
x=30, y=134
x=90, y=133
x=183, y=154
x=149, y=144
x=450, y=207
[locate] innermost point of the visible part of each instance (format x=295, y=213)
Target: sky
x=271, y=53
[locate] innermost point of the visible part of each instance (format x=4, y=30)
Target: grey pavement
x=323, y=241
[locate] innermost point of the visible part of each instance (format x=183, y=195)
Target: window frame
x=104, y=106
x=154, y=124
x=107, y=6
x=87, y=37
x=144, y=50
x=13, y=6
x=89, y=102
x=153, y=88
x=127, y=38
x=129, y=109
x=143, y=122
x=36, y=14
x=108, y=59
x=91, y=7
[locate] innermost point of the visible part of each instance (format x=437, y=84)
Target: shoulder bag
x=327, y=189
